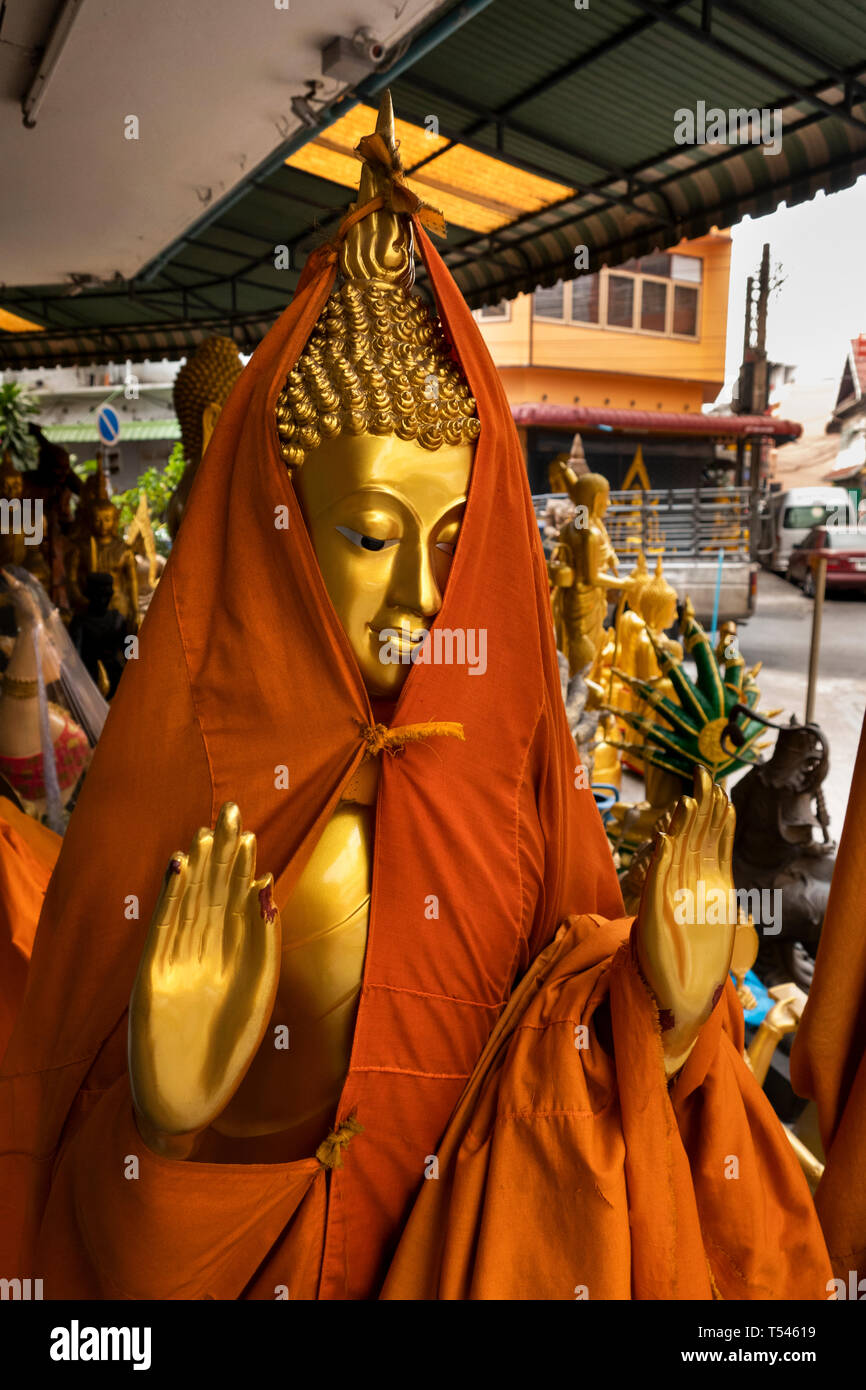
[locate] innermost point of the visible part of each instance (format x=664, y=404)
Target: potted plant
x=16, y=439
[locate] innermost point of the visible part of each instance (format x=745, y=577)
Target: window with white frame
x=491, y=313
x=658, y=294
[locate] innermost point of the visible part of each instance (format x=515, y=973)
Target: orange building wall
x=587, y=365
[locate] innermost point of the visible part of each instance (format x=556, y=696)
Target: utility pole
x=753, y=386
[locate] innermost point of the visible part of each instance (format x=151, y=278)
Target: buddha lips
x=405, y=646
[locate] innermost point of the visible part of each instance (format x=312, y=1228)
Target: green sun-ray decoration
x=693, y=725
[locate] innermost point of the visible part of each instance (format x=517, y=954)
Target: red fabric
x=71, y=752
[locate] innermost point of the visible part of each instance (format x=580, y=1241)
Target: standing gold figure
x=100, y=548
x=583, y=571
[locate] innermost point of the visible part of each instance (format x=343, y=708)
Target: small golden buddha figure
x=655, y=604
x=100, y=547
x=201, y=389
x=149, y=564
x=604, y=685
x=606, y=766
x=583, y=571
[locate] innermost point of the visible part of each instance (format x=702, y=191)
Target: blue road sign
x=108, y=424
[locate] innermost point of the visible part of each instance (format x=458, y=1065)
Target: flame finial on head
x=380, y=247
x=378, y=360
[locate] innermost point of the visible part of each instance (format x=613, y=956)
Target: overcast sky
x=822, y=304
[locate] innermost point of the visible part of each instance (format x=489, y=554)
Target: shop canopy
x=539, y=128
x=579, y=418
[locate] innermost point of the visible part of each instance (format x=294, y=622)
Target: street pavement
x=779, y=635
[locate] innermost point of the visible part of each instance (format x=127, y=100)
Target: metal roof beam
x=542, y=171
x=457, y=138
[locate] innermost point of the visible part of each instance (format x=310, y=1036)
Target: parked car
x=788, y=517
x=845, y=548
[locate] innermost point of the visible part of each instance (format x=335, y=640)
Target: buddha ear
x=209, y=417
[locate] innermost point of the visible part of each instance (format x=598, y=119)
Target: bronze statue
x=783, y=843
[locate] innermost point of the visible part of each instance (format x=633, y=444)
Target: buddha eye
x=366, y=542
x=447, y=547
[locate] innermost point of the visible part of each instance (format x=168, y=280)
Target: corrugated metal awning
x=551, y=128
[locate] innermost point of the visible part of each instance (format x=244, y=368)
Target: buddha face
x=600, y=502
x=12, y=485
x=384, y=515
x=105, y=520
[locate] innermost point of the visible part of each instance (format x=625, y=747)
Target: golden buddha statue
x=381, y=463
x=99, y=547
x=605, y=687
x=149, y=564
x=606, y=765
x=583, y=571
x=201, y=389
x=382, y=466
x=655, y=604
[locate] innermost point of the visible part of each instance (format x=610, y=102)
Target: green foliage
x=85, y=469
x=158, y=484
x=15, y=406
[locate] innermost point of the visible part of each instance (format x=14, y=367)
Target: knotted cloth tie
x=330, y=1151
x=374, y=151
x=380, y=739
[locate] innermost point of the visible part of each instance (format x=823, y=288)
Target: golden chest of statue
x=294, y=1082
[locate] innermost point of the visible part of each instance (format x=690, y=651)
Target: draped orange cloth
x=828, y=1059
x=244, y=668
x=28, y=853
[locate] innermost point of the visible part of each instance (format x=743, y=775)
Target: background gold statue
x=583, y=571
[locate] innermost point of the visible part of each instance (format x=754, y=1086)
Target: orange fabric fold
x=570, y=1171
x=28, y=853
x=828, y=1059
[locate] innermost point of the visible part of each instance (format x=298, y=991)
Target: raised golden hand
x=205, y=987
x=687, y=917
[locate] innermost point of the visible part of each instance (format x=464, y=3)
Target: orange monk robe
x=28, y=853
x=570, y=1171
x=244, y=669
x=828, y=1059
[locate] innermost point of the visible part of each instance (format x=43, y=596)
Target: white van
x=788, y=517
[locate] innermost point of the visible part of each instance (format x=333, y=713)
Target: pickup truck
x=689, y=528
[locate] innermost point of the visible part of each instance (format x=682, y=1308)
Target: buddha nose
x=413, y=583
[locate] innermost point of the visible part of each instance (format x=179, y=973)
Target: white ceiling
x=211, y=83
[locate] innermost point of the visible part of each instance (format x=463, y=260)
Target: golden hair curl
x=377, y=362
